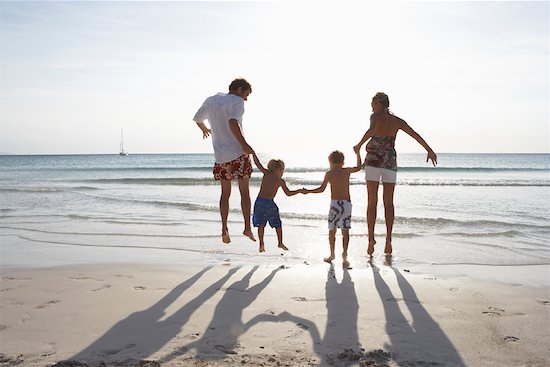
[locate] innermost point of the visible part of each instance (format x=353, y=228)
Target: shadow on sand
x=141, y=334
x=420, y=342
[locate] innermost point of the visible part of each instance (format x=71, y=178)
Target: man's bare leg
x=280, y=238
x=261, y=237
x=246, y=206
x=390, y=215
x=345, y=244
x=372, y=192
x=332, y=243
x=224, y=208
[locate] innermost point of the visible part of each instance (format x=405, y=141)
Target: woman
x=381, y=163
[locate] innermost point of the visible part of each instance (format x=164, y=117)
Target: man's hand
x=206, y=133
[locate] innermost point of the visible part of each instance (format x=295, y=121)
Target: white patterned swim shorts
x=339, y=215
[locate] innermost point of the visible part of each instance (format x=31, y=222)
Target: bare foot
x=225, y=237
x=281, y=246
x=345, y=262
x=388, y=249
x=370, y=249
x=329, y=259
x=250, y=235
x=262, y=248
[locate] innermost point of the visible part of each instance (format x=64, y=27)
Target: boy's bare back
x=338, y=177
x=270, y=184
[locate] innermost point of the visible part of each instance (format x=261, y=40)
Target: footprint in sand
x=116, y=351
x=3, y=327
x=139, y=288
x=192, y=336
x=104, y=286
x=300, y=299
x=297, y=330
x=511, y=338
x=44, y=305
x=544, y=303
x=494, y=311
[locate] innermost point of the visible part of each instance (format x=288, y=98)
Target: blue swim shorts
x=265, y=210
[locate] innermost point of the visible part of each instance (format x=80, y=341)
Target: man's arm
x=258, y=164
x=236, y=130
x=205, y=131
x=199, y=118
x=319, y=189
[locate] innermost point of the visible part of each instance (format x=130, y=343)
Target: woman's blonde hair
x=382, y=98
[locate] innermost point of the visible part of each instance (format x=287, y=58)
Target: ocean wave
x=414, y=221
x=255, y=181
x=64, y=233
x=47, y=189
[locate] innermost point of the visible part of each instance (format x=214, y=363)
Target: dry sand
x=303, y=315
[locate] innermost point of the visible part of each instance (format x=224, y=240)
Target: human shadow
x=341, y=338
x=221, y=336
x=341, y=331
x=143, y=333
x=422, y=341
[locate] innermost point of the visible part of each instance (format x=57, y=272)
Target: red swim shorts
x=237, y=168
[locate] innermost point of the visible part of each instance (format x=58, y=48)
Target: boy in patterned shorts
x=340, y=207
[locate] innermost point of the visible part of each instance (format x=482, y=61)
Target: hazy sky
x=468, y=76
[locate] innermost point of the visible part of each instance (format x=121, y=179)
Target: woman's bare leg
x=372, y=192
x=389, y=214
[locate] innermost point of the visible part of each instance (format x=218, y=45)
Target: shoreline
x=271, y=314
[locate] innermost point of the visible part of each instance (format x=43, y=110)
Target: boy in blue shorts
x=265, y=209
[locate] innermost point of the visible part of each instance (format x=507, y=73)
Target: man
x=224, y=113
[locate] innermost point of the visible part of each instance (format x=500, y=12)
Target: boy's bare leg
x=261, y=237
x=345, y=243
x=332, y=243
x=389, y=213
x=246, y=206
x=224, y=208
x=280, y=238
x=372, y=191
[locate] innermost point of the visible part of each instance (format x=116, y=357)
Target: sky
x=467, y=76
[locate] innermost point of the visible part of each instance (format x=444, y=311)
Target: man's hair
x=237, y=83
x=275, y=164
x=382, y=98
x=336, y=157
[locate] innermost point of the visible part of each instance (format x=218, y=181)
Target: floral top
x=381, y=153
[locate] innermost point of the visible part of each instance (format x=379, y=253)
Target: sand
x=267, y=315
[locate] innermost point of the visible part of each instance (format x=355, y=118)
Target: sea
x=472, y=209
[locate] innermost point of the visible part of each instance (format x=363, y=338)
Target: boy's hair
x=275, y=164
x=237, y=83
x=336, y=157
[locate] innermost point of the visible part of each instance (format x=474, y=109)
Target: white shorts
x=380, y=174
x=339, y=215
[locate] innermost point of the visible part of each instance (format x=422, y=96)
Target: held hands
x=303, y=190
x=357, y=148
x=432, y=156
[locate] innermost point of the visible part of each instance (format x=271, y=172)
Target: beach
x=118, y=261
x=267, y=315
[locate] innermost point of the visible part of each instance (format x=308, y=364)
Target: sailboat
x=122, y=152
